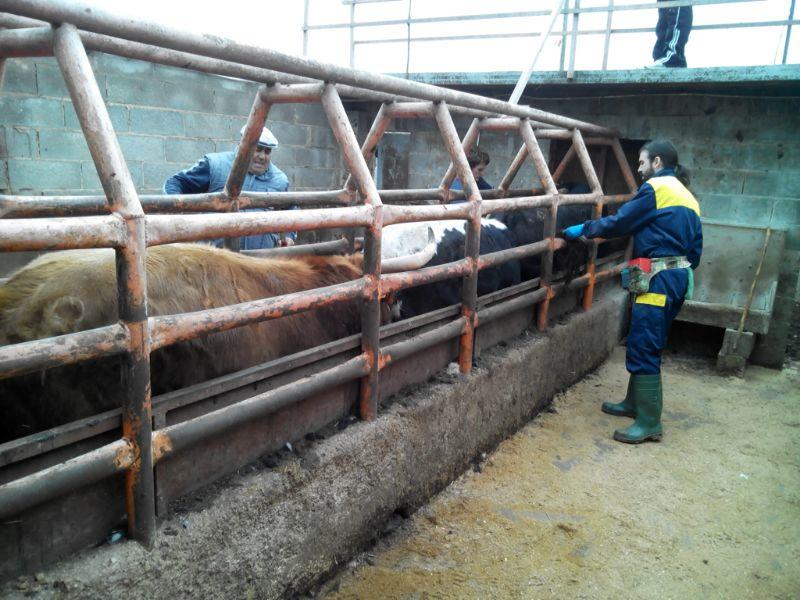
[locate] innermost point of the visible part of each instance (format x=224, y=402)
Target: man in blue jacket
x=664, y=219
x=210, y=173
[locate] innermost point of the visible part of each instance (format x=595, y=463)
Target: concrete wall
x=166, y=119
x=428, y=159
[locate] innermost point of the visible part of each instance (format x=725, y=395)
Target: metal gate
x=128, y=223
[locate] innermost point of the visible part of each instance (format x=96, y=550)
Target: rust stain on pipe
x=161, y=445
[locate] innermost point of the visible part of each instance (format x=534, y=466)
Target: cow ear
x=66, y=313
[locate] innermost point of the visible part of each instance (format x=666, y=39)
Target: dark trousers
x=672, y=33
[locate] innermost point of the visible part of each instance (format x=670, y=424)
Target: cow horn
x=414, y=261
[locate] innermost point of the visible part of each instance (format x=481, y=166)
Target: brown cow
x=75, y=290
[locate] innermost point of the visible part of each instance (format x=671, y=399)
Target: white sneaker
x=655, y=65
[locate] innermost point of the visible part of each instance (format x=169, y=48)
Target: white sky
x=278, y=24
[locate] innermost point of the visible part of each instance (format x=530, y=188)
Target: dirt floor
x=560, y=510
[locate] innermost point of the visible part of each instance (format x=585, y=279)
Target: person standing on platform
x=672, y=33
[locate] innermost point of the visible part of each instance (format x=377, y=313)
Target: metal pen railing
x=67, y=30
x=569, y=32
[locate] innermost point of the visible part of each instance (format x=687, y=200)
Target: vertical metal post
x=408, y=39
x=352, y=35
x=526, y=75
x=573, y=46
x=594, y=183
x=244, y=155
x=564, y=23
x=788, y=33
x=305, y=27
x=371, y=310
x=607, y=41
x=131, y=275
x=540, y=164
x=2, y=72
x=472, y=244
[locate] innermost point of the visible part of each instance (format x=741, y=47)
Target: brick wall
x=166, y=118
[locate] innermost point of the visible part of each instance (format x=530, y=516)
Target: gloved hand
x=573, y=232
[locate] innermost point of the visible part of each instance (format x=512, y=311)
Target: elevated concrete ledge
x=274, y=533
x=781, y=80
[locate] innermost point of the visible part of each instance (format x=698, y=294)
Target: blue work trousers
x=651, y=318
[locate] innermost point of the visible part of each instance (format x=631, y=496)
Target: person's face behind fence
x=478, y=170
x=261, y=160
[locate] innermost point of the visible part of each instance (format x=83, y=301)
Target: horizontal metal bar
x=39, y=206
x=169, y=329
x=617, y=30
x=411, y=195
x=493, y=259
x=492, y=313
x=29, y=42
x=162, y=229
x=59, y=234
x=489, y=207
x=27, y=357
x=422, y=341
x=409, y=110
x=302, y=92
x=490, y=36
x=32, y=490
x=45, y=441
x=590, y=198
x=394, y=213
x=400, y=281
x=421, y=20
x=518, y=15
x=100, y=21
x=499, y=124
x=178, y=437
x=339, y=246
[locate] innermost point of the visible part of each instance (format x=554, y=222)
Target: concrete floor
x=560, y=510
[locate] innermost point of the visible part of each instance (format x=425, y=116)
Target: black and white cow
x=527, y=227
x=407, y=238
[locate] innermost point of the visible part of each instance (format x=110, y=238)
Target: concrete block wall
x=428, y=159
x=745, y=163
x=166, y=118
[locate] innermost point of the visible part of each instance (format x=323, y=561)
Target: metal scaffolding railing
x=569, y=31
x=65, y=29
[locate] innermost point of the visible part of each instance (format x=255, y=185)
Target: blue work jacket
x=663, y=217
x=210, y=173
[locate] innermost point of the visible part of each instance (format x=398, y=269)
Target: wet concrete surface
x=560, y=510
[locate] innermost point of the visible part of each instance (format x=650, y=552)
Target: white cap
x=266, y=138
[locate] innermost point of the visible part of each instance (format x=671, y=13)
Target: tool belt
x=637, y=275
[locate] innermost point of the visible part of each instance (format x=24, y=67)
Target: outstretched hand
x=573, y=232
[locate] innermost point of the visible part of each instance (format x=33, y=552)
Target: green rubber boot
x=626, y=408
x=648, y=400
